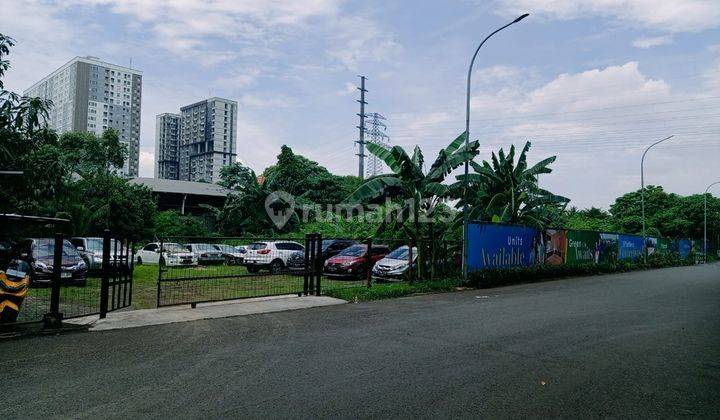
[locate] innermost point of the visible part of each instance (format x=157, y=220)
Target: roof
x=86, y=59
x=182, y=187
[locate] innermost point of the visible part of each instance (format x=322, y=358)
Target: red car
x=353, y=262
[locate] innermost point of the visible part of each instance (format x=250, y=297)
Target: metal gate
x=117, y=274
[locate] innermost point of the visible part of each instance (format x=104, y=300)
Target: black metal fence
x=66, y=280
x=195, y=270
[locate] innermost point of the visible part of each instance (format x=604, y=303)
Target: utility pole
x=377, y=135
x=361, y=127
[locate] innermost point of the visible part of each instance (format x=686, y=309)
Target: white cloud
x=670, y=16
x=359, y=39
x=147, y=164
x=654, y=41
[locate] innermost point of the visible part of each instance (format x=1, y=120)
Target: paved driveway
x=638, y=344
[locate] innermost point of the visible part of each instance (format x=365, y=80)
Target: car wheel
x=139, y=261
x=252, y=269
x=276, y=266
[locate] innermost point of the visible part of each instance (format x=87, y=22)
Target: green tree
x=507, y=191
x=417, y=192
x=171, y=223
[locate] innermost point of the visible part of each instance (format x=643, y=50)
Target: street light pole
x=705, y=219
x=467, y=144
x=642, y=190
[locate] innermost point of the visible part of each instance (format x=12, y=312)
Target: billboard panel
x=631, y=247
x=555, y=246
x=581, y=247
x=684, y=247
x=607, y=248
x=651, y=245
x=500, y=246
x=667, y=246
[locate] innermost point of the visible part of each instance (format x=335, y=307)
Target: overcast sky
x=592, y=81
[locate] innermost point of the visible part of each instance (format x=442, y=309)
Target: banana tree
x=419, y=192
x=505, y=191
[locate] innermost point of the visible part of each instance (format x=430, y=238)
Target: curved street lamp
x=705, y=219
x=642, y=189
x=467, y=142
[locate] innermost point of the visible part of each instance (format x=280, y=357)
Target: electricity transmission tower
x=376, y=129
x=361, y=127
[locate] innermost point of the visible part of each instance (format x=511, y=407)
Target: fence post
x=160, y=270
x=410, y=261
x=306, y=267
x=318, y=262
x=54, y=318
x=369, y=263
x=104, y=285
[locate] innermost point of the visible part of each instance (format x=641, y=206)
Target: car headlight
x=81, y=265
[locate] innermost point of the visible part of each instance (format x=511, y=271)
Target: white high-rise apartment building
x=167, y=145
x=92, y=95
x=207, y=139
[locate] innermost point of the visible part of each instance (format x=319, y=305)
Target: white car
x=395, y=265
x=272, y=255
x=173, y=255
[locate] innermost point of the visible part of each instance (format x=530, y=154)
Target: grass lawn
x=238, y=283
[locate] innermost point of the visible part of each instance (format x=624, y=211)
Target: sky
x=593, y=82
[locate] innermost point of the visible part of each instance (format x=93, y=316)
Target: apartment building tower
x=167, y=144
x=92, y=95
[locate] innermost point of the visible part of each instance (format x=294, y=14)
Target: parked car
x=329, y=248
x=39, y=256
x=353, y=262
x=272, y=255
x=172, y=255
x=91, y=251
x=395, y=264
x=206, y=254
x=231, y=254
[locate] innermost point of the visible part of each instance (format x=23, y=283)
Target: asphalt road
x=630, y=345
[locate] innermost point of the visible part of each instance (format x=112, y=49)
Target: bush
x=517, y=275
x=393, y=290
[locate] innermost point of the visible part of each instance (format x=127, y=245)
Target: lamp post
x=467, y=142
x=705, y=219
x=642, y=190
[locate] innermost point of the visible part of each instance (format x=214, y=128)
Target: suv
x=39, y=254
x=353, y=262
x=173, y=255
x=206, y=253
x=91, y=251
x=330, y=248
x=270, y=255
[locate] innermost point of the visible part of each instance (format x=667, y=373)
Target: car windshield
x=225, y=248
x=203, y=247
x=257, y=245
x=402, y=253
x=174, y=248
x=354, y=251
x=46, y=247
x=96, y=244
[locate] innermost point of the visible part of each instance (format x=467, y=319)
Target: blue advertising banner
x=500, y=246
x=631, y=247
x=684, y=247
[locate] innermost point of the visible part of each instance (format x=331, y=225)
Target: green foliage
x=171, y=223
x=394, y=290
x=507, y=191
x=588, y=219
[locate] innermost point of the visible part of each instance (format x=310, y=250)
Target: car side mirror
x=157, y=251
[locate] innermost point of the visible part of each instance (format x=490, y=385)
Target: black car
x=330, y=248
x=38, y=254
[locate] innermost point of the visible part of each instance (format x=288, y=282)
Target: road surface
x=642, y=344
